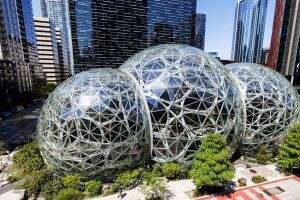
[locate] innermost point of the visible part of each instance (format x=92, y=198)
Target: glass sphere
x=271, y=104
x=93, y=122
x=189, y=94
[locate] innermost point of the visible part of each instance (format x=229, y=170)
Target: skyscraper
x=249, y=28
x=62, y=54
x=47, y=49
x=106, y=33
x=200, y=31
x=58, y=12
x=18, y=53
x=285, y=46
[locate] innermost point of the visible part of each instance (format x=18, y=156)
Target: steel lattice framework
x=189, y=94
x=271, y=104
x=95, y=121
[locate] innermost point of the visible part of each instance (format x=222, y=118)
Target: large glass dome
x=189, y=94
x=271, y=104
x=93, y=122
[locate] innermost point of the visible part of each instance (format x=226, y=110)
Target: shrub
x=157, y=169
x=34, y=183
x=92, y=188
x=51, y=188
x=154, y=188
x=28, y=159
x=127, y=179
x=72, y=181
x=69, y=194
x=258, y=179
x=242, y=182
x=263, y=156
x=171, y=170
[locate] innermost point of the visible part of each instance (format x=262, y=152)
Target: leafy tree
x=154, y=188
x=289, y=151
x=69, y=194
x=211, y=167
x=28, y=159
x=128, y=178
x=263, y=155
x=72, y=181
x=171, y=170
x=92, y=188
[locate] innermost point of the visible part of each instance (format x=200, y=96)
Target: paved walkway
x=176, y=189
x=284, y=189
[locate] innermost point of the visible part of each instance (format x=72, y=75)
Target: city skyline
x=217, y=21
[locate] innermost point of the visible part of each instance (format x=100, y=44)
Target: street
x=21, y=126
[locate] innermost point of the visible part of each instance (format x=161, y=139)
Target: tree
x=49, y=87
x=171, y=170
x=263, y=156
x=28, y=159
x=211, y=167
x=289, y=151
x=154, y=188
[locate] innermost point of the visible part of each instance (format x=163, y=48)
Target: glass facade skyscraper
x=249, y=28
x=106, y=33
x=200, y=26
x=18, y=50
x=58, y=12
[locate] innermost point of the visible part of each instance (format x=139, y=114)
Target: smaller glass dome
x=93, y=122
x=271, y=104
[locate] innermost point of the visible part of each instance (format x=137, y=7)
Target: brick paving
x=290, y=185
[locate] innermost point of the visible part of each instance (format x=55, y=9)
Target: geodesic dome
x=93, y=122
x=189, y=94
x=271, y=104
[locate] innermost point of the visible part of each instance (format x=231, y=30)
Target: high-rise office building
x=47, y=49
x=200, y=25
x=285, y=46
x=58, y=12
x=18, y=53
x=249, y=28
x=62, y=54
x=106, y=33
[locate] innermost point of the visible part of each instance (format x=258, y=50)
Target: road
x=21, y=126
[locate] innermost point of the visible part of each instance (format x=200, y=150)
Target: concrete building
x=62, y=54
x=285, y=45
x=249, y=28
x=47, y=49
x=200, y=26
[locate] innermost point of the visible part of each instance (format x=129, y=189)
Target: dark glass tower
x=200, y=31
x=106, y=33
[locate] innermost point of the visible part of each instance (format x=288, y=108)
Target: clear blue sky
x=219, y=23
